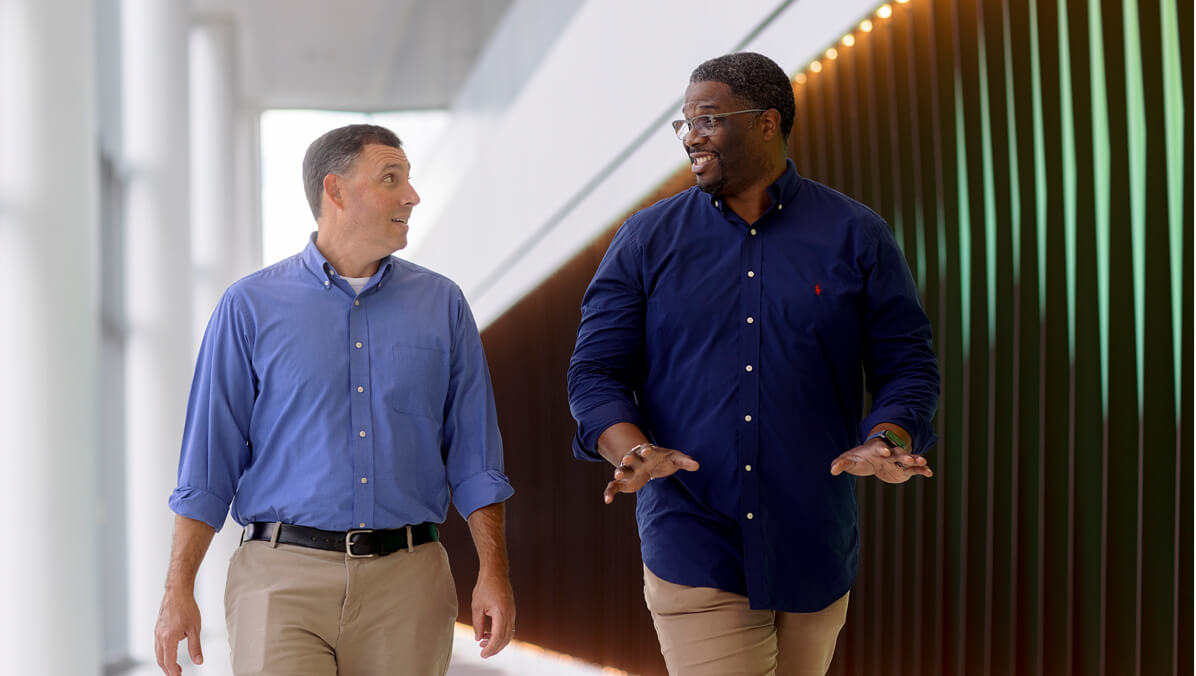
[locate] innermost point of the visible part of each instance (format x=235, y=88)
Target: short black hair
x=333, y=152
x=756, y=79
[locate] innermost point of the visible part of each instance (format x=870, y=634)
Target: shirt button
x=751, y=320
x=750, y=515
x=366, y=481
x=360, y=388
x=753, y=231
x=716, y=203
x=748, y=368
x=358, y=344
x=361, y=525
x=326, y=283
x=361, y=434
x=747, y=418
x=751, y=274
x=356, y=302
x=747, y=467
x=780, y=206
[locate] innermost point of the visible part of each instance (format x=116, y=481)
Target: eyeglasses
x=705, y=125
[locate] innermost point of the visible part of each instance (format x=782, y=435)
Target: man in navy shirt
x=341, y=399
x=720, y=366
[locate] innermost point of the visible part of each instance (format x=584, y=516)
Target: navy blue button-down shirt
x=316, y=406
x=747, y=347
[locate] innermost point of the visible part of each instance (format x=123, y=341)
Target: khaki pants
x=296, y=611
x=710, y=632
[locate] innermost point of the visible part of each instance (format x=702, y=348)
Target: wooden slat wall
x=1035, y=162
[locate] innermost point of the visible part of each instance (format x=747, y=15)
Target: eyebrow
x=395, y=165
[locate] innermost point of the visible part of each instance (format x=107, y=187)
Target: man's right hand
x=177, y=619
x=638, y=467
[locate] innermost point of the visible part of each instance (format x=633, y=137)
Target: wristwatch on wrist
x=889, y=437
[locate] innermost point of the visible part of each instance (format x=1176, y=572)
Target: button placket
x=361, y=449
x=749, y=437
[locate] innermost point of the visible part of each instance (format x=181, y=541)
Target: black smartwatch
x=889, y=438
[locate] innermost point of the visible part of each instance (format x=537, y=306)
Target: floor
x=517, y=659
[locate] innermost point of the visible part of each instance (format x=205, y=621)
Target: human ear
x=332, y=190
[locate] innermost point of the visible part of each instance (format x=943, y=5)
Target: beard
x=713, y=187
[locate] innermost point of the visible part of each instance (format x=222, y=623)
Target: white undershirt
x=358, y=283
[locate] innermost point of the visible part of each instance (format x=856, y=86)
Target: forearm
x=487, y=527
x=618, y=439
x=191, y=541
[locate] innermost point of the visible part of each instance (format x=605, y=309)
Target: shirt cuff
x=918, y=427
x=479, y=490
x=594, y=422
x=200, y=505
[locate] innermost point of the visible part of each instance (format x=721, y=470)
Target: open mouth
x=399, y=220
x=698, y=161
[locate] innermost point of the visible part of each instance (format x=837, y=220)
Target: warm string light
x=885, y=11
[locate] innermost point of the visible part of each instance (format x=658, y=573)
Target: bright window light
x=285, y=135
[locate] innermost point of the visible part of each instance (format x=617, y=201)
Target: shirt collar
x=323, y=271
x=782, y=190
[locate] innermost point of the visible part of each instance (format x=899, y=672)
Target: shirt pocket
x=415, y=381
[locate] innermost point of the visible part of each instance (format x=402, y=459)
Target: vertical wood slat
x=1054, y=538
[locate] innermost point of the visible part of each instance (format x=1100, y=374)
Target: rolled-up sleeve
x=215, y=446
x=608, y=359
x=899, y=361
x=472, y=444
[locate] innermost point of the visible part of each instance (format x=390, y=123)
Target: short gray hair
x=333, y=152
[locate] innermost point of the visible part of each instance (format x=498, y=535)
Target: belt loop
x=274, y=538
x=410, y=541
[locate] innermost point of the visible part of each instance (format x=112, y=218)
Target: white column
x=49, y=617
x=158, y=290
x=218, y=242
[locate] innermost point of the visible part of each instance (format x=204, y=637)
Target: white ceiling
x=362, y=55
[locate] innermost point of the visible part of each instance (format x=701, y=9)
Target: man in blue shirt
x=341, y=399
x=720, y=367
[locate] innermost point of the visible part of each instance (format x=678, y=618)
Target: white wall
x=586, y=135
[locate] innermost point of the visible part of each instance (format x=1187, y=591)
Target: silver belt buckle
x=349, y=544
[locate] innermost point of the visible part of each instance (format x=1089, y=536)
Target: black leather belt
x=361, y=543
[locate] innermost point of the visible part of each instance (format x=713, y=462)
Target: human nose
x=692, y=137
x=410, y=197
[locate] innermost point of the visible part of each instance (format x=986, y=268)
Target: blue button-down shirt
x=317, y=406
x=746, y=347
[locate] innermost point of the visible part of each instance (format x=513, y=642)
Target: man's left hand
x=493, y=598
x=876, y=458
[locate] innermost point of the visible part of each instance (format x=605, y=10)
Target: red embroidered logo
x=817, y=290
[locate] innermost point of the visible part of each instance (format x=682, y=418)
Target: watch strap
x=889, y=437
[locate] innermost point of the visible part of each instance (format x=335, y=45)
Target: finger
x=479, y=623
x=194, y=649
x=169, y=659
x=839, y=465
x=909, y=459
x=614, y=487
x=683, y=461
